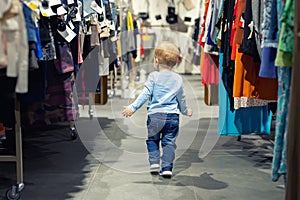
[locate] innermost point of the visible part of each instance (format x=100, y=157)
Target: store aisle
x=110, y=161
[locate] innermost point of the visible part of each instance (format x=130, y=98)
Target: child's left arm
x=182, y=103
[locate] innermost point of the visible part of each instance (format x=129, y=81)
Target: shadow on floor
x=255, y=149
x=204, y=181
x=55, y=167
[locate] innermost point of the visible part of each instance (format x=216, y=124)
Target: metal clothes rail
x=14, y=192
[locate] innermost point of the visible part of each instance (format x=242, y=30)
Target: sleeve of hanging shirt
x=181, y=101
x=145, y=95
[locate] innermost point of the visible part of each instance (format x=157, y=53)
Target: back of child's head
x=167, y=53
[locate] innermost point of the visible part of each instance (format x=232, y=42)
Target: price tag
x=71, y=25
x=70, y=2
x=54, y=2
x=61, y=10
x=68, y=34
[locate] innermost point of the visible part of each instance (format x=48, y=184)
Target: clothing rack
x=14, y=192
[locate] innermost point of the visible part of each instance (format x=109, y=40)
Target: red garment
x=210, y=69
x=203, y=24
x=233, y=31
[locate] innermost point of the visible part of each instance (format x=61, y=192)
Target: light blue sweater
x=164, y=92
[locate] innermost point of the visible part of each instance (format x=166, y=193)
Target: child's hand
x=127, y=112
x=190, y=112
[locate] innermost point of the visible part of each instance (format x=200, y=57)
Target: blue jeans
x=162, y=127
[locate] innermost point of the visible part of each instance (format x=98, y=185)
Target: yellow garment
x=130, y=26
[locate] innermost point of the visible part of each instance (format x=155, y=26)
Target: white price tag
x=61, y=11
x=68, y=34
x=54, y=2
x=71, y=25
x=70, y=2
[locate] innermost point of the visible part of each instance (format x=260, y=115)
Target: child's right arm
x=144, y=96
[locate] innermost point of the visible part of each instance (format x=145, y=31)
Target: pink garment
x=80, y=59
x=210, y=69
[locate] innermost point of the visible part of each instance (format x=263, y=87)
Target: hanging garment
x=32, y=60
x=30, y=24
x=127, y=35
x=32, y=31
x=47, y=39
x=90, y=67
x=38, y=50
x=108, y=10
x=36, y=85
x=64, y=63
x=195, y=35
x=215, y=19
x=228, y=66
x=201, y=40
x=257, y=12
x=270, y=39
x=209, y=45
x=239, y=23
x=247, y=83
x=87, y=6
x=270, y=24
x=281, y=131
x=235, y=23
x=5, y=6
x=74, y=44
x=104, y=57
x=286, y=43
x=95, y=40
x=59, y=104
x=286, y=40
x=17, y=48
x=207, y=21
x=113, y=56
x=284, y=58
x=248, y=45
x=241, y=121
x=3, y=51
x=267, y=67
x=210, y=69
x=9, y=9
x=247, y=90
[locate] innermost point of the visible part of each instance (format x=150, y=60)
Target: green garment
x=286, y=40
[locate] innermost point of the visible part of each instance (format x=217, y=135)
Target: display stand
x=14, y=192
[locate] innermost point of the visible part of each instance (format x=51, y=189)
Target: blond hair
x=167, y=53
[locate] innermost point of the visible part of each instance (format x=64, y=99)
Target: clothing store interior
x=68, y=68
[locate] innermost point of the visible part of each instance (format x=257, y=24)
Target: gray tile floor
x=109, y=161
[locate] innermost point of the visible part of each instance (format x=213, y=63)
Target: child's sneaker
x=154, y=168
x=166, y=174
